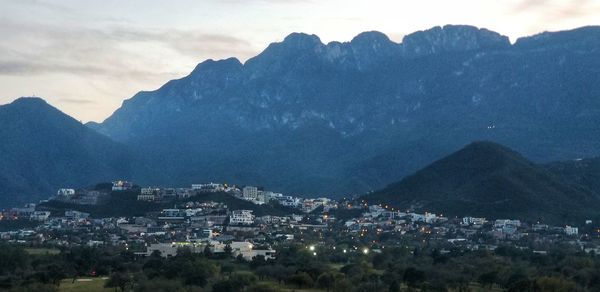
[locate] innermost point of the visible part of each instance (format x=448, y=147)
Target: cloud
x=76, y=101
x=556, y=10
x=32, y=49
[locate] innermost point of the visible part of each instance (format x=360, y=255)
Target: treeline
x=299, y=267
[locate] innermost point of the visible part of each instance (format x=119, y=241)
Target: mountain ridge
x=44, y=149
x=486, y=179
x=378, y=114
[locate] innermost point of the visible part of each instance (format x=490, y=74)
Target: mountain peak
x=30, y=104
x=452, y=38
x=29, y=100
x=217, y=65
x=302, y=40
x=490, y=180
x=370, y=37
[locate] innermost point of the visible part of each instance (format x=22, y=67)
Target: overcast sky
x=86, y=57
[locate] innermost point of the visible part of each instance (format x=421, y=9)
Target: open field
x=42, y=251
x=84, y=285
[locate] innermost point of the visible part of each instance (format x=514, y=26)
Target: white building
x=148, y=197
x=121, y=185
x=570, y=230
x=473, y=221
x=244, y=248
x=149, y=191
x=66, y=192
x=264, y=197
x=250, y=193
x=427, y=217
x=170, y=249
x=241, y=217
x=40, y=215
x=72, y=214
x=502, y=223
x=209, y=187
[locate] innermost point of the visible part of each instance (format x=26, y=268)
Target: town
x=208, y=224
x=287, y=242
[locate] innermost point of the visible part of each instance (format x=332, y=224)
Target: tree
x=228, y=250
x=227, y=269
x=394, y=286
x=118, y=279
x=262, y=287
x=159, y=285
x=326, y=280
x=413, y=277
x=237, y=282
x=197, y=273
x=488, y=279
x=301, y=279
x=207, y=252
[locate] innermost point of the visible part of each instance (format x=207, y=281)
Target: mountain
x=305, y=117
x=489, y=180
x=43, y=149
x=581, y=172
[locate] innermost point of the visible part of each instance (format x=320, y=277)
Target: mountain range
x=308, y=118
x=43, y=149
x=485, y=179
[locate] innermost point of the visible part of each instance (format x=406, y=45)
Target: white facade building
x=209, y=187
x=241, y=217
x=40, y=215
x=66, y=192
x=121, y=185
x=250, y=193
x=570, y=230
x=473, y=221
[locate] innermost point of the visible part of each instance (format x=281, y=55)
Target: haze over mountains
x=310, y=118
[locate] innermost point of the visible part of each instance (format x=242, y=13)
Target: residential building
x=473, y=221
x=122, y=185
x=66, y=192
x=250, y=193
x=39, y=215
x=209, y=187
x=241, y=217
x=570, y=230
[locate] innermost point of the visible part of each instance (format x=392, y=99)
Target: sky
x=86, y=57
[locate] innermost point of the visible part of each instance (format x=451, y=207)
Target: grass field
x=84, y=285
x=97, y=285
x=42, y=251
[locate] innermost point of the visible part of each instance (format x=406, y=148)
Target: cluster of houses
x=252, y=194
x=470, y=232
x=214, y=227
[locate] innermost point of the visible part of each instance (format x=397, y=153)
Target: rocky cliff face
x=304, y=116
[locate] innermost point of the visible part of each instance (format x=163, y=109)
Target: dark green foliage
x=119, y=280
x=564, y=269
x=301, y=280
